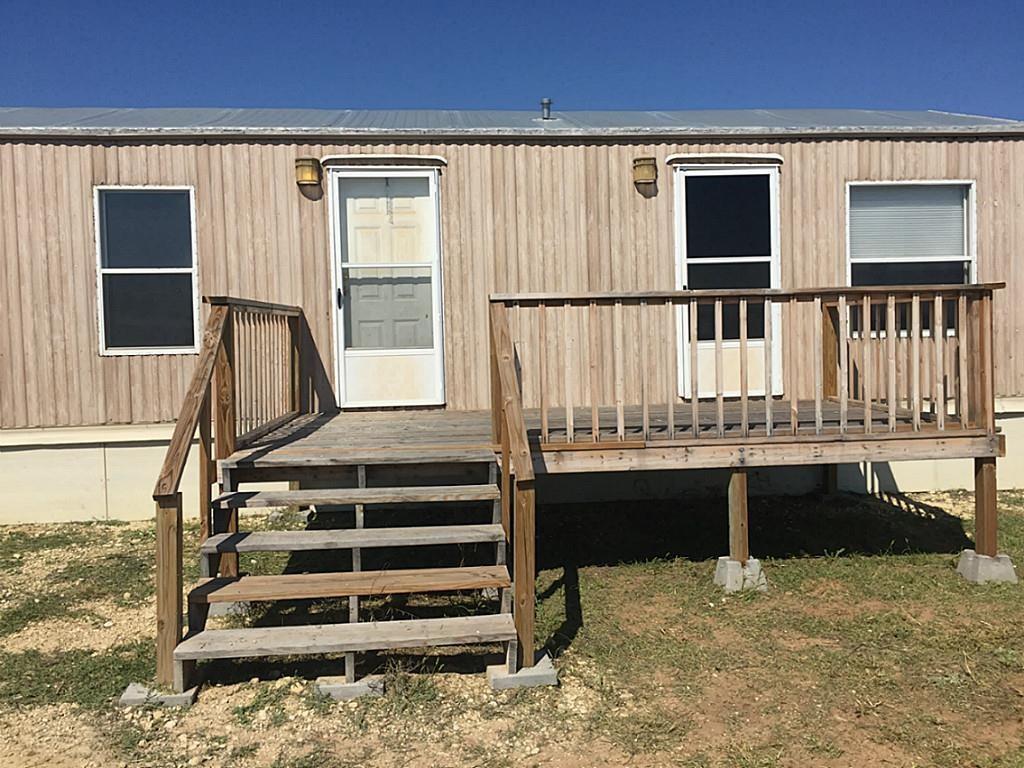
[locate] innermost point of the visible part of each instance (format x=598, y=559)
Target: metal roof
x=96, y=121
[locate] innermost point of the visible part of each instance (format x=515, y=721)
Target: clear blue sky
x=959, y=56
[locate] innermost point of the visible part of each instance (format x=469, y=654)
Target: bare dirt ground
x=867, y=650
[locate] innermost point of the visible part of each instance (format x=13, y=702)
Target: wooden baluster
x=744, y=382
x=915, y=360
x=986, y=383
x=961, y=344
x=694, y=381
x=542, y=354
x=226, y=422
x=207, y=467
x=719, y=397
x=619, y=372
x=789, y=340
x=939, y=339
x=595, y=385
x=890, y=353
x=768, y=421
x=570, y=416
x=644, y=374
x=496, y=398
x=866, y=372
x=672, y=361
x=295, y=364
x=844, y=364
x=819, y=343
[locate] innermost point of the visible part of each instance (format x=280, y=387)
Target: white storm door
x=727, y=236
x=388, y=288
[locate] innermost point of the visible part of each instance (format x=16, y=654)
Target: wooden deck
x=348, y=438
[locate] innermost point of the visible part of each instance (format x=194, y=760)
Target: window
x=146, y=282
x=910, y=234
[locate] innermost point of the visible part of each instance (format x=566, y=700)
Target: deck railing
x=247, y=382
x=517, y=478
x=623, y=368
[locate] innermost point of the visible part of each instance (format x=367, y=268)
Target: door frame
x=680, y=172
x=334, y=176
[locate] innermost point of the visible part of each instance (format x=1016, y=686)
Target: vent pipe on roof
x=545, y=109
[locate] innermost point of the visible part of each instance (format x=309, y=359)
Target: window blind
x=907, y=221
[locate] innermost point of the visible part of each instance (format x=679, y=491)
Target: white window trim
x=763, y=167
x=970, y=223
x=334, y=175
x=101, y=270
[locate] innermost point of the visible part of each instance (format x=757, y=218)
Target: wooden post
x=168, y=585
x=495, y=385
x=524, y=567
x=207, y=468
x=739, y=543
x=224, y=420
x=985, y=506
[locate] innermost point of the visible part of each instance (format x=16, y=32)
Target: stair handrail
x=507, y=414
x=210, y=397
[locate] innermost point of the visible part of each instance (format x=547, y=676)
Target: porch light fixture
x=308, y=171
x=645, y=171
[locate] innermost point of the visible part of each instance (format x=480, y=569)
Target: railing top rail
x=188, y=419
x=252, y=305
x=800, y=294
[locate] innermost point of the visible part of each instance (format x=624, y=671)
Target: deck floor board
x=440, y=436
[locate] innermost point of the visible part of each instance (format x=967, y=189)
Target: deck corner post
x=984, y=563
x=168, y=586
x=738, y=570
x=524, y=570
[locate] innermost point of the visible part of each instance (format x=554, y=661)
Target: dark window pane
x=148, y=310
x=728, y=216
x=911, y=273
x=146, y=229
x=740, y=275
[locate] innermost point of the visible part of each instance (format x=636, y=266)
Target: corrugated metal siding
x=516, y=216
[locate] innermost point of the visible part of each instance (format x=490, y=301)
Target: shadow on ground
x=573, y=536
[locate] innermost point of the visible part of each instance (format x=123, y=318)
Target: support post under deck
x=984, y=563
x=738, y=570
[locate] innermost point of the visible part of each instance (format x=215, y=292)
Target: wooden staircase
x=252, y=404
x=217, y=553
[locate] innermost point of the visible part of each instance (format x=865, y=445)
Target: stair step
x=307, y=541
x=300, y=586
x=332, y=456
x=405, y=495
x=345, y=638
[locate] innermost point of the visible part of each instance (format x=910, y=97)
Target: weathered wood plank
x=366, y=538
x=345, y=638
x=298, y=586
x=407, y=495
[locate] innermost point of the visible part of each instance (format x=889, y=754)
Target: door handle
x=340, y=298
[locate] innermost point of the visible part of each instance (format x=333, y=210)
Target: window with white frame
x=910, y=234
x=146, y=270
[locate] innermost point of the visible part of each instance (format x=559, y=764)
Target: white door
x=387, y=287
x=727, y=236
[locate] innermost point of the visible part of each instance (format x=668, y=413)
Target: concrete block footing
x=734, y=576
x=138, y=695
x=541, y=673
x=979, y=569
x=340, y=690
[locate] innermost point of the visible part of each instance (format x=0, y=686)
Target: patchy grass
x=866, y=650
x=88, y=679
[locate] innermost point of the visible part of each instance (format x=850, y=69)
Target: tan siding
x=515, y=217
